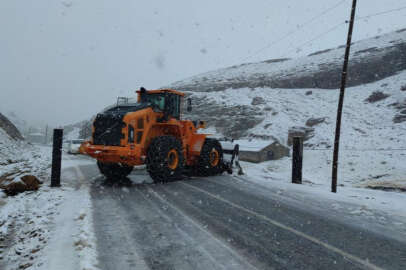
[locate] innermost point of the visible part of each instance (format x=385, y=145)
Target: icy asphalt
x=225, y=222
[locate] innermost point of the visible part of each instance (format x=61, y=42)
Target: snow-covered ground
x=50, y=228
x=18, y=157
x=72, y=242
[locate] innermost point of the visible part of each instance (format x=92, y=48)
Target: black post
x=56, y=158
x=341, y=100
x=297, y=160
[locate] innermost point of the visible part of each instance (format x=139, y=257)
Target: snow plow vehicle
x=151, y=132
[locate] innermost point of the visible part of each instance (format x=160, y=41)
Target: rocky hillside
x=22, y=125
x=373, y=116
x=371, y=60
x=10, y=128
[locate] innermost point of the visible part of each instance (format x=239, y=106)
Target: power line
x=326, y=32
x=294, y=31
x=356, y=150
x=381, y=13
x=315, y=38
x=336, y=26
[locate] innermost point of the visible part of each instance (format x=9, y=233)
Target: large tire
x=165, y=161
x=211, y=158
x=114, y=170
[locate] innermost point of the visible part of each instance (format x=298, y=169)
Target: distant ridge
x=371, y=60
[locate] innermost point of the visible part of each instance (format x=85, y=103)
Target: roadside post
x=56, y=158
x=297, y=160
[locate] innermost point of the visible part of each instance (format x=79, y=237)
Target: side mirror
x=189, y=104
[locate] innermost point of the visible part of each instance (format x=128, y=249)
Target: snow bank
x=25, y=222
x=73, y=244
x=85, y=240
x=50, y=228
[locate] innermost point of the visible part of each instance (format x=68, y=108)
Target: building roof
x=253, y=145
x=36, y=134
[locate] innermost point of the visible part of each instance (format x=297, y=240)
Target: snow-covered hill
x=371, y=60
x=370, y=130
x=19, y=123
x=373, y=124
x=265, y=99
x=9, y=128
x=262, y=101
x=18, y=157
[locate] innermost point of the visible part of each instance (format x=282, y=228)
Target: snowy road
x=223, y=223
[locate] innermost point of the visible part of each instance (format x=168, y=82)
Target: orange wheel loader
x=150, y=132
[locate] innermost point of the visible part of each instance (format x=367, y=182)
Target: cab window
x=174, y=105
x=157, y=100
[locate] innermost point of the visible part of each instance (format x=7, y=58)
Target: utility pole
x=341, y=99
x=46, y=134
x=84, y=128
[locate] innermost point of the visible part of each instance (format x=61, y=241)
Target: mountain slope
x=371, y=60
x=269, y=113
x=10, y=128
x=250, y=100
x=19, y=123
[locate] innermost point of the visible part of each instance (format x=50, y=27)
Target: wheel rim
x=214, y=157
x=173, y=159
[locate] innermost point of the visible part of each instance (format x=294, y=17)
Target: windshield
x=157, y=100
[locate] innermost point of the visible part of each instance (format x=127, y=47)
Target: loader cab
x=167, y=101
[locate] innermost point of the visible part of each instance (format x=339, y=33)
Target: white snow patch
x=39, y=229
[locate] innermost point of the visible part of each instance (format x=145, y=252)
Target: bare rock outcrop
x=315, y=121
x=19, y=184
x=400, y=117
x=232, y=121
x=376, y=96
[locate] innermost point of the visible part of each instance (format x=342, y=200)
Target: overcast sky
x=63, y=61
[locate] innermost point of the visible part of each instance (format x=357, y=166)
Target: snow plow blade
x=231, y=156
